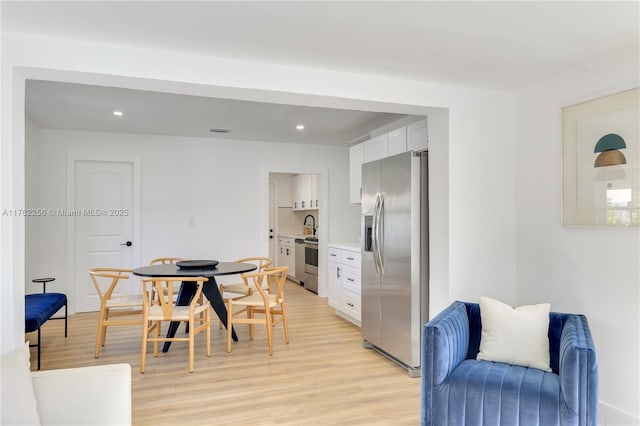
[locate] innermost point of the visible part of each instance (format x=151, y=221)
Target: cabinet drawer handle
x=350, y=279
x=350, y=258
x=332, y=255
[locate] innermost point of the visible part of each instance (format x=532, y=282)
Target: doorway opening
x=295, y=219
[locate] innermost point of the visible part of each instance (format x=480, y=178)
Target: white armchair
x=97, y=395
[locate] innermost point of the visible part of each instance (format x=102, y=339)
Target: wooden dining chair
x=165, y=260
x=241, y=289
x=114, y=304
x=262, y=302
x=158, y=306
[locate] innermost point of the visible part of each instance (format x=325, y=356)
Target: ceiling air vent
x=215, y=130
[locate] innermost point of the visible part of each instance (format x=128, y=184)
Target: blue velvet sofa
x=457, y=389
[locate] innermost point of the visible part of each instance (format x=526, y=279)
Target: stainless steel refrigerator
x=395, y=256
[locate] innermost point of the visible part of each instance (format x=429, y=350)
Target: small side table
x=44, y=282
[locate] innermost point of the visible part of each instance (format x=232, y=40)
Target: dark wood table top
x=171, y=270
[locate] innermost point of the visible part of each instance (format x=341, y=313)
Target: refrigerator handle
x=380, y=234
x=374, y=236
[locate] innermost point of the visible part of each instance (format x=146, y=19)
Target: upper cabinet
x=305, y=192
x=314, y=195
x=356, y=158
x=376, y=148
x=412, y=137
x=417, y=139
x=398, y=141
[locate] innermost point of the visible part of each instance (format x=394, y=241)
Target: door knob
x=128, y=244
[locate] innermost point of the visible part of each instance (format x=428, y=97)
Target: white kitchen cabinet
x=412, y=137
x=314, y=195
x=344, y=282
x=376, y=148
x=287, y=254
x=301, y=192
x=356, y=158
x=398, y=141
x=417, y=136
x=335, y=282
x=305, y=192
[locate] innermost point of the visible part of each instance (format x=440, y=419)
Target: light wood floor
x=324, y=376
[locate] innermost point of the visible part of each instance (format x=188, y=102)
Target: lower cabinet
x=344, y=282
x=287, y=254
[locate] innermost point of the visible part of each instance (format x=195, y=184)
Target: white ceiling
x=504, y=45
x=55, y=105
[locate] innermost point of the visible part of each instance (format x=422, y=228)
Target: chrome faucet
x=314, y=222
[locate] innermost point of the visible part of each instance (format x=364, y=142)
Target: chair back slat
x=105, y=280
x=261, y=262
x=161, y=290
x=275, y=278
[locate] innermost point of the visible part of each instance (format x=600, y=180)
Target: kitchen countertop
x=353, y=246
x=287, y=235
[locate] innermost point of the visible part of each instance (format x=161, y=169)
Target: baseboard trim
x=609, y=415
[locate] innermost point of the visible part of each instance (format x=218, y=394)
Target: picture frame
x=601, y=161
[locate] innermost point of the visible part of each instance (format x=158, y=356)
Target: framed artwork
x=601, y=161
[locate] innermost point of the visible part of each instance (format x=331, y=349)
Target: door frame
x=72, y=159
x=273, y=213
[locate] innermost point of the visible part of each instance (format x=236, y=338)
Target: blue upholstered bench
x=39, y=308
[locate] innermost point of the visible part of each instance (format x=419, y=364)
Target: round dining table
x=188, y=289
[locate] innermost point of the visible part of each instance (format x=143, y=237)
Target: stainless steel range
x=311, y=264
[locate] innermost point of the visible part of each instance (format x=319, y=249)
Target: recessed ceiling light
x=300, y=127
x=118, y=113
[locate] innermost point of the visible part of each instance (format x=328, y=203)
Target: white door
x=103, y=227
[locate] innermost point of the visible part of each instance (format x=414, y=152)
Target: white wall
x=472, y=174
x=218, y=182
x=32, y=228
x=463, y=173
x=475, y=178
x=594, y=271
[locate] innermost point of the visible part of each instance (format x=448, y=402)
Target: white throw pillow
x=17, y=399
x=516, y=336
